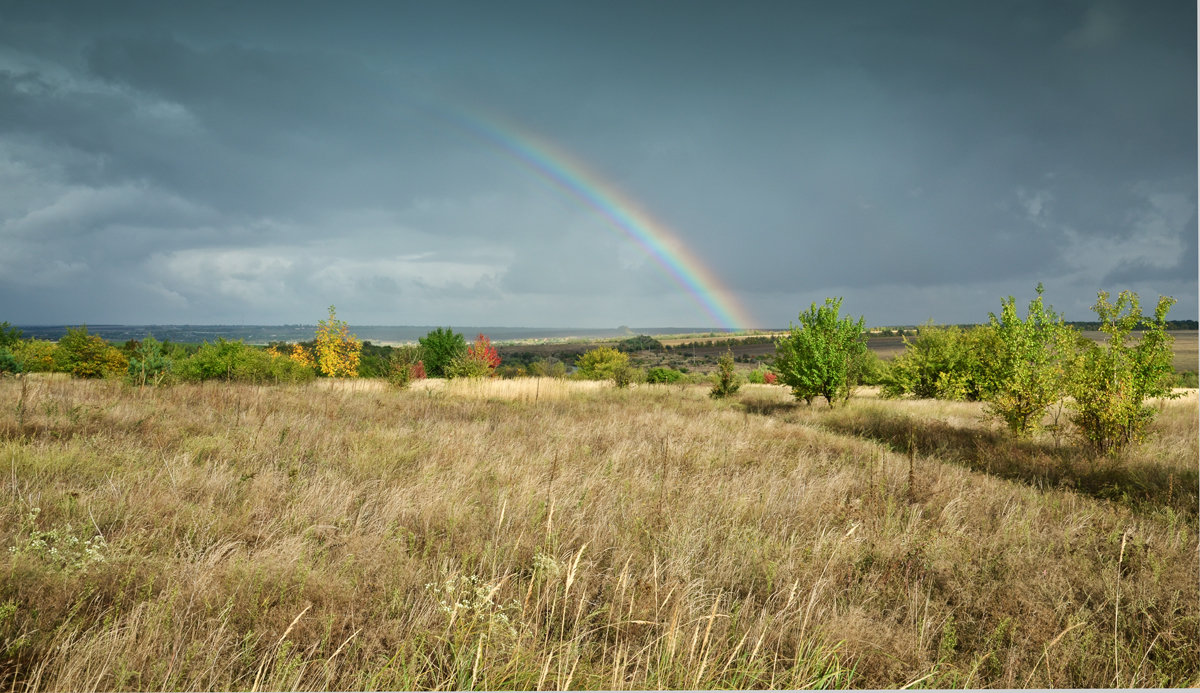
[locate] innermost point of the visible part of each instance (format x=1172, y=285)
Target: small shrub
x=659, y=374
x=404, y=366
x=469, y=366
x=941, y=362
x=726, y=379
x=36, y=355
x=548, y=368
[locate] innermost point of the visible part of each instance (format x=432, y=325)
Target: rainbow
x=573, y=176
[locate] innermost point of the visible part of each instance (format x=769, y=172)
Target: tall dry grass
x=307, y=538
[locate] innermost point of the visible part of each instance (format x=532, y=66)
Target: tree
x=817, y=357
x=483, y=351
x=1110, y=383
x=1026, y=372
x=601, y=363
x=87, y=355
x=147, y=364
x=440, y=348
x=338, y=351
x=9, y=335
x=725, y=383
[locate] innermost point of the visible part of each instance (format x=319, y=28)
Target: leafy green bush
x=941, y=362
x=441, y=347
x=86, y=355
x=1187, y=379
x=237, y=361
x=817, y=357
x=601, y=363
x=660, y=374
x=725, y=382
x=1027, y=369
x=1111, y=383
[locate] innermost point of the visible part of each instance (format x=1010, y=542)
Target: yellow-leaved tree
x=338, y=351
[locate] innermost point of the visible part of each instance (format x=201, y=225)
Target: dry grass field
x=351, y=537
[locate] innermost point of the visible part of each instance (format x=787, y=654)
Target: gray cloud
x=258, y=162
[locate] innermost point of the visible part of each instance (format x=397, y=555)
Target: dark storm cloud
x=260, y=161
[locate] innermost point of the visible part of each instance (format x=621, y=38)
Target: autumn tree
x=338, y=351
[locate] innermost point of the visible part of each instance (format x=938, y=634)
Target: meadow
x=540, y=533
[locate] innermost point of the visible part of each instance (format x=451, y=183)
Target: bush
x=237, y=361
x=1111, y=383
x=601, y=363
x=1187, y=379
x=548, y=368
x=726, y=379
x=147, y=363
x=36, y=355
x=441, y=348
x=659, y=374
x=405, y=366
x=86, y=355
x=469, y=366
x=817, y=358
x=1027, y=369
x=338, y=351
x=639, y=343
x=942, y=362
x=483, y=351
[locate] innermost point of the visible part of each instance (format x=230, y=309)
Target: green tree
x=9, y=335
x=601, y=363
x=440, y=349
x=816, y=358
x=1111, y=383
x=1027, y=371
x=725, y=382
x=662, y=374
x=147, y=364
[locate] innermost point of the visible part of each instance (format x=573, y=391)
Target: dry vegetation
x=353, y=538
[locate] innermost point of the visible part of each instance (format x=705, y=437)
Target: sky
x=592, y=164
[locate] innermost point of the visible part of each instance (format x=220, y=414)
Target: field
x=549, y=534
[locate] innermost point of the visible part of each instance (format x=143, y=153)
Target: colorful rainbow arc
x=656, y=239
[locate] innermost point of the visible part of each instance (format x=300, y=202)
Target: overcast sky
x=250, y=162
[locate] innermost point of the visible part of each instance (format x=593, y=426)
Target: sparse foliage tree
x=816, y=358
x=338, y=351
x=1111, y=383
